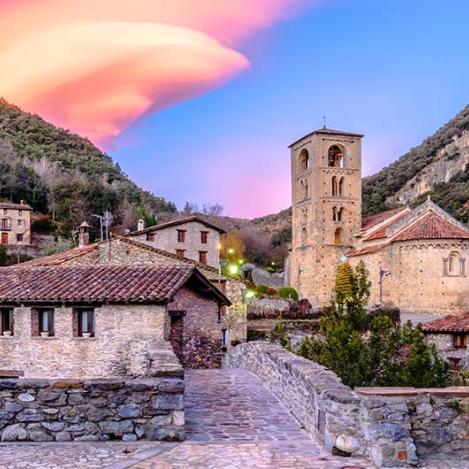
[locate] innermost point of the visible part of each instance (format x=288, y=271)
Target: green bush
x=288, y=292
x=371, y=353
x=3, y=254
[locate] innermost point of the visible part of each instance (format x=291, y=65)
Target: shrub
x=288, y=292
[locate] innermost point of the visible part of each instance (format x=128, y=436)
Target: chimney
x=84, y=235
x=141, y=224
x=21, y=202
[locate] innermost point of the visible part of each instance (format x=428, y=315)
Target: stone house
x=450, y=334
x=15, y=224
x=190, y=237
x=127, y=251
x=108, y=320
x=416, y=257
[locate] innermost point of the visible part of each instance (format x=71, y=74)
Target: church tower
x=326, y=201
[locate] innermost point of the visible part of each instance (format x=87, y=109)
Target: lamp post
x=382, y=273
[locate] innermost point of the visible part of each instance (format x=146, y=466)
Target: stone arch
x=336, y=156
x=303, y=160
x=340, y=213
x=334, y=186
x=341, y=187
x=334, y=213
x=304, y=235
x=338, y=236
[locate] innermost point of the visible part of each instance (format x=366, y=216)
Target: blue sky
x=393, y=70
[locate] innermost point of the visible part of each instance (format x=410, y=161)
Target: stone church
x=416, y=257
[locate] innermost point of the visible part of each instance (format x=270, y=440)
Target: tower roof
x=327, y=131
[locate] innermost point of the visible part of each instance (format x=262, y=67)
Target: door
x=4, y=238
x=176, y=333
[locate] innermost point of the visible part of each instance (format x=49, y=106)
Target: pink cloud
x=96, y=66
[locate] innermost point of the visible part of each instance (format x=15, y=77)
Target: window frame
x=37, y=314
x=204, y=237
x=78, y=322
x=203, y=257
x=11, y=320
x=459, y=340
x=151, y=236
x=19, y=237
x=181, y=236
x=181, y=252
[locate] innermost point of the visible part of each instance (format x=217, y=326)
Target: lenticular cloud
x=96, y=66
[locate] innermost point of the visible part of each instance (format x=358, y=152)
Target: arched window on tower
x=335, y=156
x=334, y=186
x=304, y=236
x=340, y=213
x=304, y=160
x=334, y=213
x=341, y=187
x=338, y=236
x=306, y=189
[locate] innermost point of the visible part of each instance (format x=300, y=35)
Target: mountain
x=65, y=175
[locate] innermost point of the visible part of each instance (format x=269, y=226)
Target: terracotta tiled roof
x=368, y=250
x=60, y=258
x=180, y=221
x=111, y=284
x=432, y=226
x=450, y=323
x=374, y=220
x=15, y=206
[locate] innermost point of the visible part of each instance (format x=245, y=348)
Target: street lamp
x=382, y=273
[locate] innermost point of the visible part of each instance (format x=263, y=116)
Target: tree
x=374, y=352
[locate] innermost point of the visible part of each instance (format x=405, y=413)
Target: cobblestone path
x=233, y=422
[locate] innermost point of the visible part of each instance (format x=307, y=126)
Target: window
x=304, y=189
x=224, y=337
x=341, y=187
x=304, y=236
x=83, y=322
x=338, y=237
x=180, y=252
x=19, y=237
x=181, y=236
x=334, y=186
x=5, y=211
x=340, y=214
x=204, y=237
x=20, y=213
x=304, y=160
x=6, y=322
x=43, y=322
x=151, y=236
x=335, y=156
x=203, y=257
x=5, y=224
x=454, y=265
x=459, y=340
x=20, y=222
x=334, y=213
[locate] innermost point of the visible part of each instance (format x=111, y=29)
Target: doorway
x=4, y=238
x=176, y=333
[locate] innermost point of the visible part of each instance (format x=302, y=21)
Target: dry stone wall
x=391, y=426
x=92, y=410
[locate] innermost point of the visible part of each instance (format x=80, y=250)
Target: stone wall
x=321, y=404
x=128, y=342
x=92, y=410
x=444, y=344
x=391, y=426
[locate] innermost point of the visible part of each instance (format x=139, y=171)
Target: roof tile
x=450, y=323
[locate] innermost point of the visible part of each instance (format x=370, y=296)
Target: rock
x=98, y=414
x=53, y=426
x=438, y=436
x=5, y=416
x=76, y=428
x=26, y=397
x=161, y=420
x=63, y=436
x=123, y=426
x=47, y=396
x=75, y=399
x=90, y=427
x=87, y=438
x=14, y=433
x=392, y=431
x=129, y=437
x=103, y=385
x=171, y=402
x=139, y=431
x=40, y=436
x=129, y=410
x=165, y=433
x=347, y=443
x=30, y=415
x=178, y=418
x=171, y=386
x=5, y=384
x=13, y=407
x=50, y=411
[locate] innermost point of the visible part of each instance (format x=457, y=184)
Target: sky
x=198, y=101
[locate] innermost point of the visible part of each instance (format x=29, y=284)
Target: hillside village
x=153, y=294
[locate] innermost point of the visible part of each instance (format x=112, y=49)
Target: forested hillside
x=65, y=175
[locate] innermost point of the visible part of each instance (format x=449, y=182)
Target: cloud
x=96, y=66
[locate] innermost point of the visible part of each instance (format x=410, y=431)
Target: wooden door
x=4, y=238
x=176, y=333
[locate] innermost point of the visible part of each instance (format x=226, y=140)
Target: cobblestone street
x=232, y=423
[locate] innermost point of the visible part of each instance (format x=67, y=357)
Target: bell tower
x=326, y=204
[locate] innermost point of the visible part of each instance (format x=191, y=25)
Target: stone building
x=416, y=257
x=127, y=251
x=191, y=237
x=15, y=224
x=450, y=334
x=107, y=320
